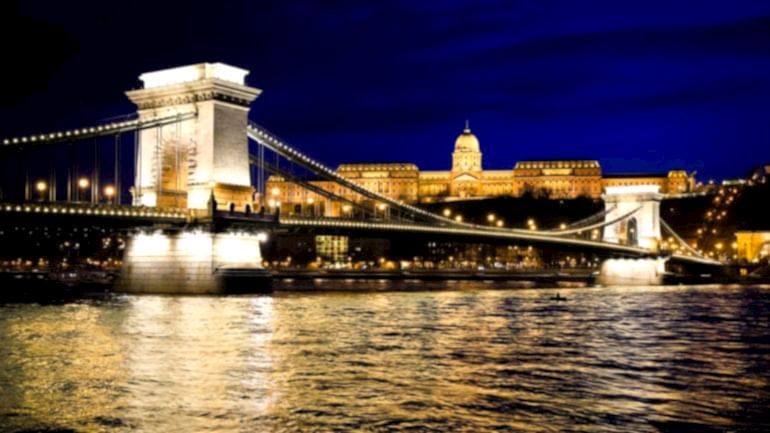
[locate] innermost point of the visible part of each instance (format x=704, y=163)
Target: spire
x=467, y=126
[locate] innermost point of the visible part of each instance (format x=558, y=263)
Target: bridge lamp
x=531, y=222
x=109, y=192
x=447, y=212
x=382, y=206
x=310, y=200
x=41, y=187
x=347, y=208
x=499, y=223
x=491, y=217
x=83, y=184
x=275, y=191
x=459, y=218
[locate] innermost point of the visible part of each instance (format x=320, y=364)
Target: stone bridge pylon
x=181, y=164
x=642, y=228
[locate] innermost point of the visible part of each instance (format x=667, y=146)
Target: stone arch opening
x=632, y=234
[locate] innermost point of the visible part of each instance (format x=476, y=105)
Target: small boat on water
x=558, y=297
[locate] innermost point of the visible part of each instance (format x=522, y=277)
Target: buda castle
x=556, y=179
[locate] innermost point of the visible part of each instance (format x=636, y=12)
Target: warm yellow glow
x=530, y=222
x=109, y=191
x=310, y=200
x=41, y=186
x=499, y=223
x=459, y=218
x=275, y=191
x=447, y=212
x=83, y=183
x=563, y=226
x=382, y=206
x=346, y=208
x=718, y=245
x=491, y=217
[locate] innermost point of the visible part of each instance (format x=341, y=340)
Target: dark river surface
x=475, y=359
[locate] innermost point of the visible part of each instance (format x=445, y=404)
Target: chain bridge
x=195, y=200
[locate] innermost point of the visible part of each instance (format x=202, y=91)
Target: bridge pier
x=193, y=261
x=632, y=272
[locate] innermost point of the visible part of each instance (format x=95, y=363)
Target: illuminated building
x=558, y=179
x=752, y=245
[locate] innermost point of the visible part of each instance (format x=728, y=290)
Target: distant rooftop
x=371, y=166
x=559, y=163
x=633, y=175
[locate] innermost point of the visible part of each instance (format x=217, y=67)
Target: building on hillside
x=752, y=246
x=466, y=179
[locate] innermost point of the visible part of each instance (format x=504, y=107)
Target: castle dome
x=467, y=142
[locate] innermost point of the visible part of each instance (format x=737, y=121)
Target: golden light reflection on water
x=655, y=359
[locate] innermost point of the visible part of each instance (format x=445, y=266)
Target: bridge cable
x=294, y=179
x=270, y=140
x=679, y=239
x=98, y=130
x=588, y=219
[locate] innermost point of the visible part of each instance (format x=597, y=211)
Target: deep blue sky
x=639, y=85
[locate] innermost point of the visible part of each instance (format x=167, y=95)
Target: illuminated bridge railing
x=106, y=211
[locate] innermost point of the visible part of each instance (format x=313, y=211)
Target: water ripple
x=479, y=359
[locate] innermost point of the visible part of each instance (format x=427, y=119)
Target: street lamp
x=381, y=207
x=459, y=218
x=499, y=223
x=311, y=207
x=83, y=184
x=109, y=192
x=491, y=217
x=41, y=188
x=447, y=212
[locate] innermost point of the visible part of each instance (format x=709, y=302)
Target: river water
x=475, y=359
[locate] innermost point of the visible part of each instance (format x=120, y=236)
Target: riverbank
x=43, y=287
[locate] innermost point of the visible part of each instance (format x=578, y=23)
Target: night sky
x=640, y=85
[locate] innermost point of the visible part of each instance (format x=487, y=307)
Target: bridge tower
x=641, y=228
x=182, y=165
x=185, y=164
